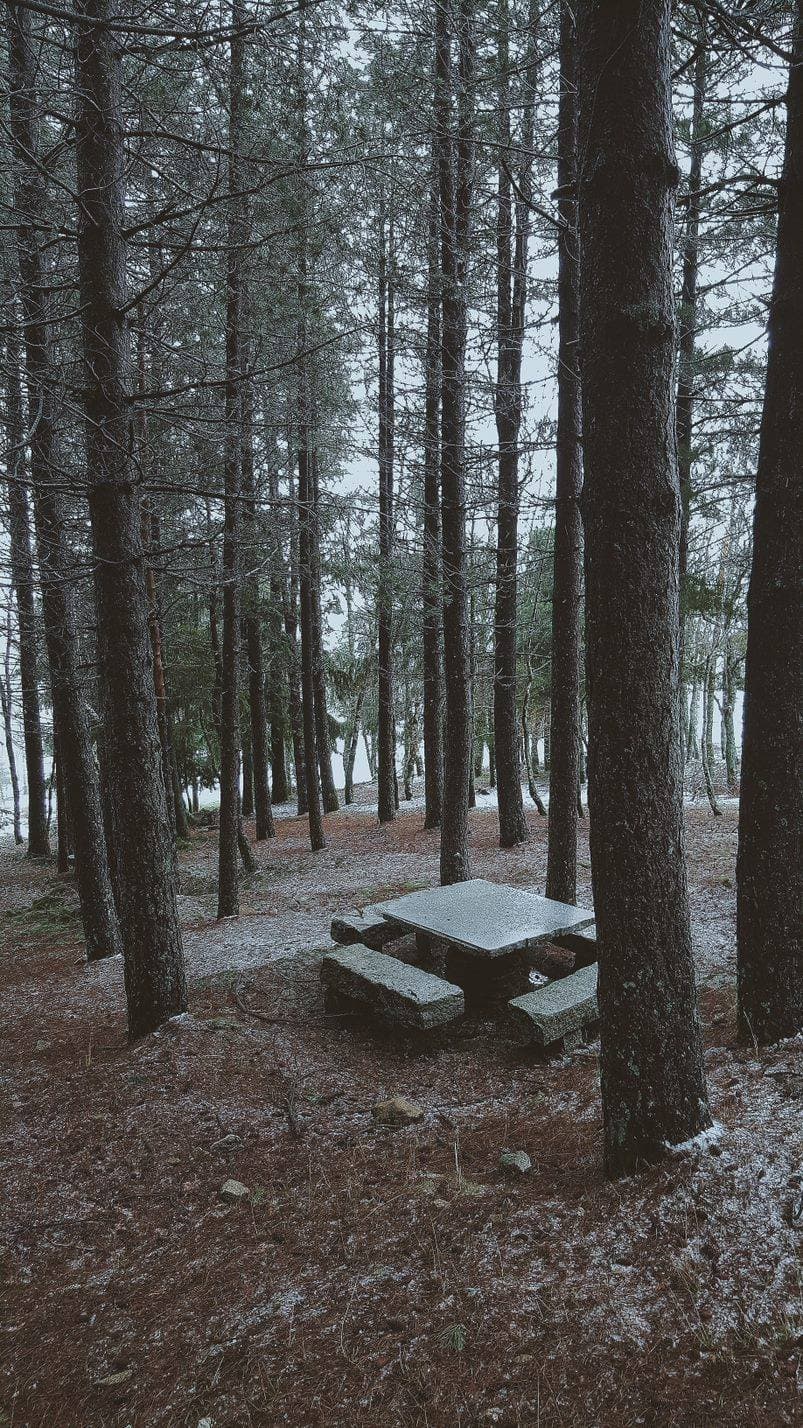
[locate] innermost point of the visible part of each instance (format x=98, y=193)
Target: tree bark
x=692, y=739
x=154, y=968
x=510, y=310
x=228, y=898
x=709, y=701
x=288, y=600
x=431, y=597
x=412, y=735
x=22, y=580
x=706, y=751
x=247, y=779
x=529, y=741
x=688, y=308
x=350, y=746
x=564, y=761
x=455, y=165
x=306, y=487
x=386, y=740
x=180, y=810
x=730, y=666
x=769, y=867
x=257, y=702
x=76, y=754
x=313, y=787
x=150, y=535
x=8, y=731
x=277, y=676
x=63, y=840
x=323, y=741
x=653, y=1087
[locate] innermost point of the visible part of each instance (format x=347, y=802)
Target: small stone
x=115, y=1380
x=227, y=1143
x=398, y=1111
x=517, y=1161
x=471, y=1188
x=233, y=1191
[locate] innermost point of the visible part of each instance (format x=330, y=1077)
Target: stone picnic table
x=481, y=931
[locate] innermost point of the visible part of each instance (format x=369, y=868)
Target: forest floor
x=373, y=1278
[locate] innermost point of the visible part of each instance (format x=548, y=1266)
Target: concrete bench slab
x=558, y=1011
x=404, y=995
x=367, y=927
x=583, y=944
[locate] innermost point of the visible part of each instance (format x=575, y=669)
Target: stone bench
x=402, y=994
x=368, y=927
x=559, y=1011
x=583, y=944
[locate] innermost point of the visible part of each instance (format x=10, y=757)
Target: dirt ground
x=372, y=1278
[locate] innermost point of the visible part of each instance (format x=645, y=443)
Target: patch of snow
x=701, y=1141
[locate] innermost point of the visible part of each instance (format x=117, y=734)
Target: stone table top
x=485, y=917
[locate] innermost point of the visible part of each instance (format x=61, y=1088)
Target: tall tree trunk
x=691, y=662
x=63, y=840
x=412, y=735
x=456, y=164
x=479, y=742
x=247, y=779
x=22, y=580
x=257, y=702
x=350, y=746
x=214, y=642
x=769, y=867
x=688, y=311
x=431, y=597
x=8, y=730
x=306, y=485
x=154, y=967
x=228, y=897
x=279, y=786
x=730, y=667
x=709, y=702
x=529, y=741
x=323, y=741
x=706, y=752
x=295, y=701
x=370, y=750
x=511, y=284
x=564, y=764
x=150, y=535
x=472, y=666
x=277, y=682
x=179, y=807
x=385, y=694
x=653, y=1087
x=294, y=696
x=312, y=780
x=76, y=754
x=288, y=603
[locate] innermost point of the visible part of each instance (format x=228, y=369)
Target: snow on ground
x=373, y=1277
